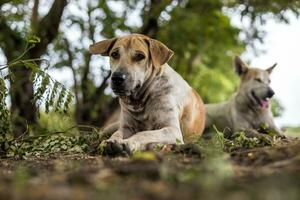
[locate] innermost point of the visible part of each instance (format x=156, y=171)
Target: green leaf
x=147, y=155
x=32, y=39
x=9, y=137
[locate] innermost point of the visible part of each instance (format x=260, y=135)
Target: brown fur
x=193, y=122
x=253, y=73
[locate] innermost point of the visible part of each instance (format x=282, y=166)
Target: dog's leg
x=115, y=145
x=167, y=135
x=109, y=130
x=252, y=133
x=118, y=135
x=141, y=140
x=274, y=129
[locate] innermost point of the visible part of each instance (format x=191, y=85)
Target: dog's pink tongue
x=264, y=103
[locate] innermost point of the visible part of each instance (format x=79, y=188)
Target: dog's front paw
x=113, y=147
x=281, y=136
x=267, y=139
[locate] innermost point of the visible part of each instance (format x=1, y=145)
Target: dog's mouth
x=123, y=92
x=120, y=92
x=263, y=103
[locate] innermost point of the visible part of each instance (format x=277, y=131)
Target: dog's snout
x=270, y=93
x=118, y=78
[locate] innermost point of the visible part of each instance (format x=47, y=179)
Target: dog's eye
x=139, y=57
x=258, y=80
x=115, y=55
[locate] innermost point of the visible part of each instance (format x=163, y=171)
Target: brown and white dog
x=157, y=105
x=249, y=108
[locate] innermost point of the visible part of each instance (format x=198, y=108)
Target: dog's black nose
x=118, y=78
x=270, y=93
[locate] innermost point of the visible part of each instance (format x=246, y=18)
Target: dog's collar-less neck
x=242, y=100
x=142, y=92
x=136, y=101
x=131, y=104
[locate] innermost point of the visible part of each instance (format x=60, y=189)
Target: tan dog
x=157, y=105
x=249, y=108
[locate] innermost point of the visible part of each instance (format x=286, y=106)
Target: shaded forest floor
x=189, y=172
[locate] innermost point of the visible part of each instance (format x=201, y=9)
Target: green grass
x=293, y=131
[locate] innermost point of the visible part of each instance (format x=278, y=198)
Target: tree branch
x=71, y=65
x=91, y=27
x=10, y=41
x=3, y=2
x=48, y=26
x=87, y=59
x=35, y=15
x=152, y=12
x=99, y=90
x=106, y=111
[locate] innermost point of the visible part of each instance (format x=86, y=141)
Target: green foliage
x=293, y=131
x=68, y=141
x=57, y=134
x=204, y=43
x=51, y=96
x=145, y=155
x=33, y=39
x=277, y=108
x=48, y=91
x=54, y=122
x=239, y=140
x=4, y=112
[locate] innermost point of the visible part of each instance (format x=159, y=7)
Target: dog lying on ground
x=157, y=105
x=249, y=108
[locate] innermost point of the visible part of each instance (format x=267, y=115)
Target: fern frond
x=5, y=126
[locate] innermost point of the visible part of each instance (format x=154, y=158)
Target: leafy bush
x=68, y=141
x=51, y=93
x=48, y=92
x=239, y=140
x=54, y=122
x=4, y=112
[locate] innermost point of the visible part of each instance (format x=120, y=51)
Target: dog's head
x=255, y=84
x=133, y=59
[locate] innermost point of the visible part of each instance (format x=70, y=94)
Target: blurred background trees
x=18, y=20
x=199, y=32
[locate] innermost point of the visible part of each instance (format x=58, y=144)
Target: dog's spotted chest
x=145, y=113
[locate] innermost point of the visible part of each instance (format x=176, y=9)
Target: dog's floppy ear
x=241, y=68
x=103, y=47
x=270, y=69
x=160, y=54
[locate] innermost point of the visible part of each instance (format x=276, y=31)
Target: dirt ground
x=258, y=173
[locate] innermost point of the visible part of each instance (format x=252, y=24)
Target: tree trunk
x=89, y=114
x=24, y=112
x=107, y=111
x=94, y=108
